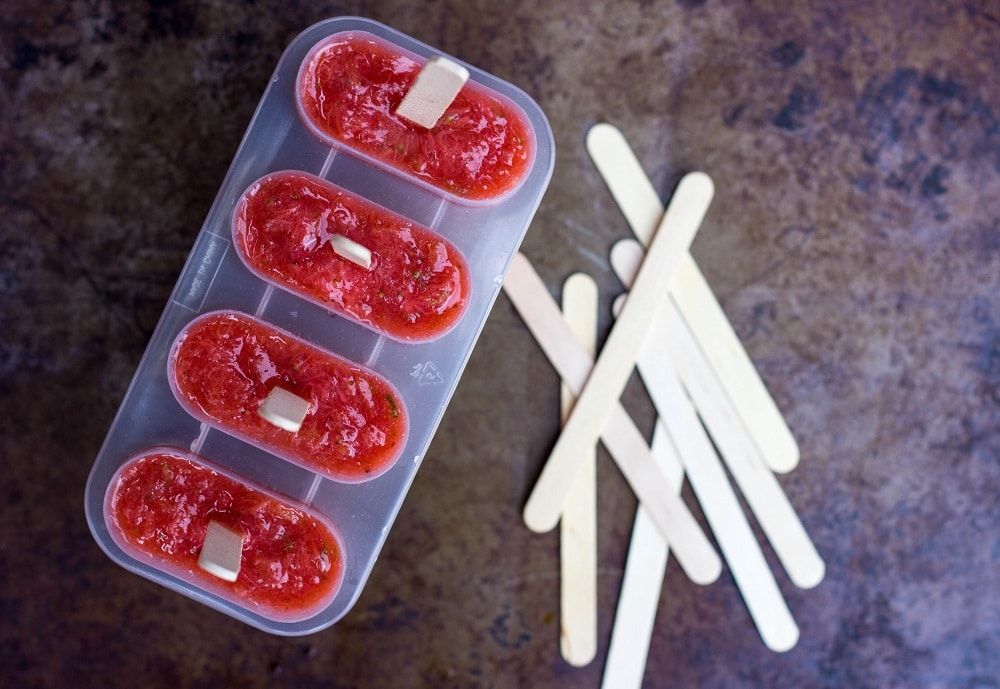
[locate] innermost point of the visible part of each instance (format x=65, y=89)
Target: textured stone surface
x=854, y=242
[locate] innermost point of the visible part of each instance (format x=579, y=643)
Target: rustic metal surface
x=854, y=242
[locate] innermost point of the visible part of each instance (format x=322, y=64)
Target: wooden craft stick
x=758, y=485
x=623, y=440
x=718, y=501
x=351, y=250
x=432, y=91
x=578, y=525
x=617, y=360
x=692, y=294
x=639, y=597
x=222, y=552
x=284, y=409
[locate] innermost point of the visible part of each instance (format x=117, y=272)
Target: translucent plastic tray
x=214, y=278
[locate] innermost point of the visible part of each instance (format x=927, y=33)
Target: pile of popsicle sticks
x=713, y=413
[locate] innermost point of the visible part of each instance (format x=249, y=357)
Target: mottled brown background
x=854, y=242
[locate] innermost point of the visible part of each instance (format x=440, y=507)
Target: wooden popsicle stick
x=221, y=552
x=578, y=525
x=639, y=597
x=623, y=440
x=434, y=89
x=758, y=485
x=718, y=501
x=719, y=343
x=284, y=409
x=352, y=251
x=617, y=360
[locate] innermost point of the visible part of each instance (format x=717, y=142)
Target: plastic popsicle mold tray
x=425, y=373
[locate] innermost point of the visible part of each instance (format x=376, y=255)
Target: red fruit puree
x=161, y=502
x=224, y=365
x=349, y=88
x=417, y=286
